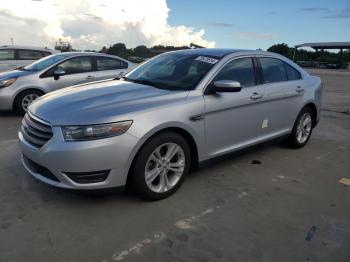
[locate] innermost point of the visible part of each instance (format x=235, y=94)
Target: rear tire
x=161, y=166
x=24, y=99
x=302, y=128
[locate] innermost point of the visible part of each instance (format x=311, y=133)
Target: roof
x=26, y=47
x=77, y=53
x=219, y=52
x=71, y=54
x=326, y=45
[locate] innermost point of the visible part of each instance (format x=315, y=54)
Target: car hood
x=14, y=73
x=100, y=102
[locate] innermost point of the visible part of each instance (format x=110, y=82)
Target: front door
x=78, y=70
x=233, y=120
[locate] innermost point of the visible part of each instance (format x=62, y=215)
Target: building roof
x=326, y=45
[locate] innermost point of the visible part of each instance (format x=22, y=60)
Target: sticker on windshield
x=207, y=59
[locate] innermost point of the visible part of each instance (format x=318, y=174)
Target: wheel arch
x=25, y=90
x=179, y=130
x=313, y=108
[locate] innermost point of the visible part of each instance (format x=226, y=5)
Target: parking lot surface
x=269, y=203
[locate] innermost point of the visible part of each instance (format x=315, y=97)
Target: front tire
x=24, y=99
x=302, y=128
x=161, y=166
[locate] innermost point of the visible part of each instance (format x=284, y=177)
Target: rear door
x=108, y=67
x=26, y=57
x=284, y=90
x=78, y=70
x=7, y=60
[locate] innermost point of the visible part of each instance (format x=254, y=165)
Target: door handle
x=299, y=89
x=90, y=77
x=255, y=96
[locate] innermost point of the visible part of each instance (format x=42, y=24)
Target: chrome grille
x=35, y=131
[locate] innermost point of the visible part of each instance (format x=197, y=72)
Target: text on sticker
x=207, y=59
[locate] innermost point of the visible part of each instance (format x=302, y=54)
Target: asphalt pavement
x=268, y=203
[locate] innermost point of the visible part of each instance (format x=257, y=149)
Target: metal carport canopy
x=326, y=45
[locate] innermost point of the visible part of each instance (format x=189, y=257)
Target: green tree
x=142, y=51
x=118, y=49
x=63, y=46
x=282, y=49
x=103, y=50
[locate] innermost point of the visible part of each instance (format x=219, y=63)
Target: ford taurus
x=149, y=128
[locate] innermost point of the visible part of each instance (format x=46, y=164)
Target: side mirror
x=227, y=86
x=120, y=75
x=58, y=72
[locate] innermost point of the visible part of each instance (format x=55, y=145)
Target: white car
x=19, y=88
x=12, y=57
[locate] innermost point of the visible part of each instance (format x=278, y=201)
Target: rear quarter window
x=292, y=73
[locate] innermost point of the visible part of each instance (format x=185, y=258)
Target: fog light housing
x=88, y=177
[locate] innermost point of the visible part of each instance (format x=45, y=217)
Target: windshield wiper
x=143, y=82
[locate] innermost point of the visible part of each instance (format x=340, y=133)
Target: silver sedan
x=162, y=119
x=19, y=88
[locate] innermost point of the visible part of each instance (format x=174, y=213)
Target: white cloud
x=91, y=24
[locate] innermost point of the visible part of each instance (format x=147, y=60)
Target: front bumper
x=58, y=157
x=6, y=98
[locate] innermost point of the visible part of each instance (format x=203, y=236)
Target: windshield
x=173, y=71
x=44, y=63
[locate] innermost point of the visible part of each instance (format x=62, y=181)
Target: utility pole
x=295, y=50
x=11, y=40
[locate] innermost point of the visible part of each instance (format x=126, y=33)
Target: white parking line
x=187, y=223
x=136, y=248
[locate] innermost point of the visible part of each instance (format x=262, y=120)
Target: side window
x=29, y=54
x=77, y=65
x=292, y=73
x=241, y=70
x=44, y=53
x=7, y=54
x=273, y=70
x=106, y=63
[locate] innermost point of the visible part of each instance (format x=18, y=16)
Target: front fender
x=164, y=126
x=24, y=88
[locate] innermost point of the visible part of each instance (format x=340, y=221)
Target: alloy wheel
x=164, y=167
x=304, y=128
x=27, y=100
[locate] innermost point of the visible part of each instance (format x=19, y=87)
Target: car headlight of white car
x=92, y=132
x=7, y=82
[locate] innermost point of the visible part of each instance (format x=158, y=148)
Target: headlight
x=7, y=82
x=83, y=133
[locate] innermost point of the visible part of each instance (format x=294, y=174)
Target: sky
x=261, y=23
x=250, y=24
